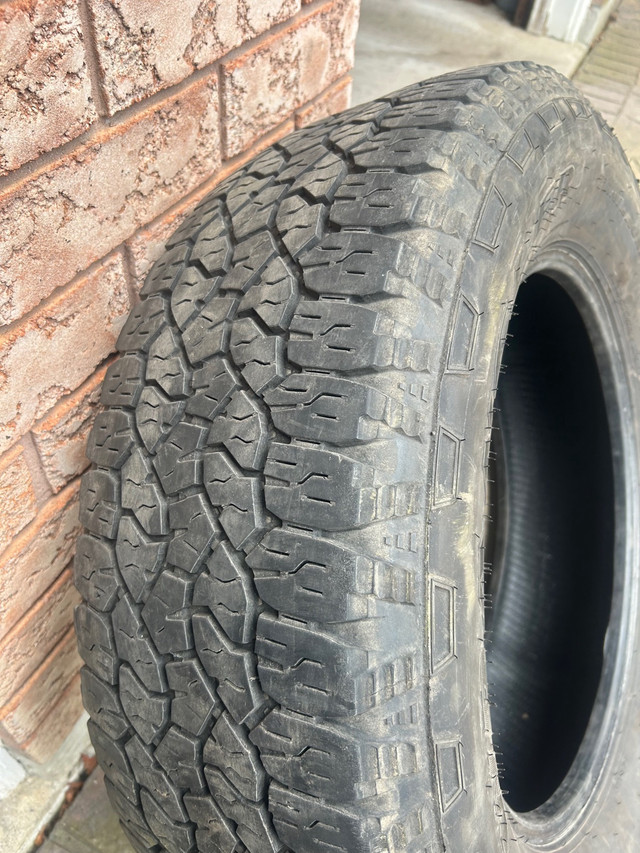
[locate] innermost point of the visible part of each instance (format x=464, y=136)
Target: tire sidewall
x=562, y=194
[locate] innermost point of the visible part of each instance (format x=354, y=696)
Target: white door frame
x=561, y=19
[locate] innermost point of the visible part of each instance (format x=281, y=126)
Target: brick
x=58, y=222
x=45, y=90
x=147, y=245
x=17, y=494
x=144, y=47
x=261, y=87
x=335, y=100
x=62, y=717
x=61, y=436
x=29, y=708
x=37, y=556
x=32, y=638
x=52, y=352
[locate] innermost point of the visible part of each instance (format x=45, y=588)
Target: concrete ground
x=89, y=825
x=610, y=77
x=399, y=43
x=403, y=41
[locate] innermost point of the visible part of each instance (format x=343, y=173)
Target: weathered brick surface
x=38, y=556
x=61, y=436
x=147, y=245
x=60, y=221
x=17, y=495
x=29, y=641
x=289, y=68
x=144, y=47
x=30, y=707
x=62, y=716
x=335, y=100
x=116, y=118
x=45, y=91
x=59, y=346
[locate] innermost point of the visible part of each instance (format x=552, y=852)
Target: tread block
x=312, y=757
x=167, y=365
x=208, y=333
x=213, y=386
x=111, y=438
x=348, y=337
x=123, y=381
x=96, y=643
x=142, y=494
x=274, y=296
x=215, y=834
x=238, y=495
x=131, y=817
x=243, y=430
x=227, y=590
x=307, y=823
x=327, y=175
x=260, y=356
x=113, y=760
x=240, y=191
x=103, y=704
x=150, y=775
x=357, y=263
x=137, y=840
x=199, y=218
x=300, y=223
x=253, y=821
x=172, y=835
x=415, y=113
x=195, y=527
x=233, y=669
x=230, y=751
x=139, y=558
x=135, y=647
x=148, y=712
x=303, y=144
x=194, y=701
x=269, y=162
x=323, y=488
x=318, y=488
x=163, y=274
x=178, y=463
x=257, y=215
x=95, y=572
x=180, y=756
x=345, y=135
x=307, y=670
x=193, y=290
x=213, y=247
x=320, y=407
x=402, y=148
x=376, y=199
x=99, y=503
x=156, y=416
x=310, y=578
x=143, y=325
x=166, y=614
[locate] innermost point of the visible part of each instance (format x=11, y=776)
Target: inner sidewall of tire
x=551, y=544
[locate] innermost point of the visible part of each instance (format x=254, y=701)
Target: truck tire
x=332, y=604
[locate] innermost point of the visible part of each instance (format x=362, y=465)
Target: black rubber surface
x=282, y=566
x=552, y=603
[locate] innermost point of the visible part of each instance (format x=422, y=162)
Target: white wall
x=570, y=20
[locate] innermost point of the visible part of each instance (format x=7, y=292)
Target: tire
x=288, y=516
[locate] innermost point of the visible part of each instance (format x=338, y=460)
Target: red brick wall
x=116, y=117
